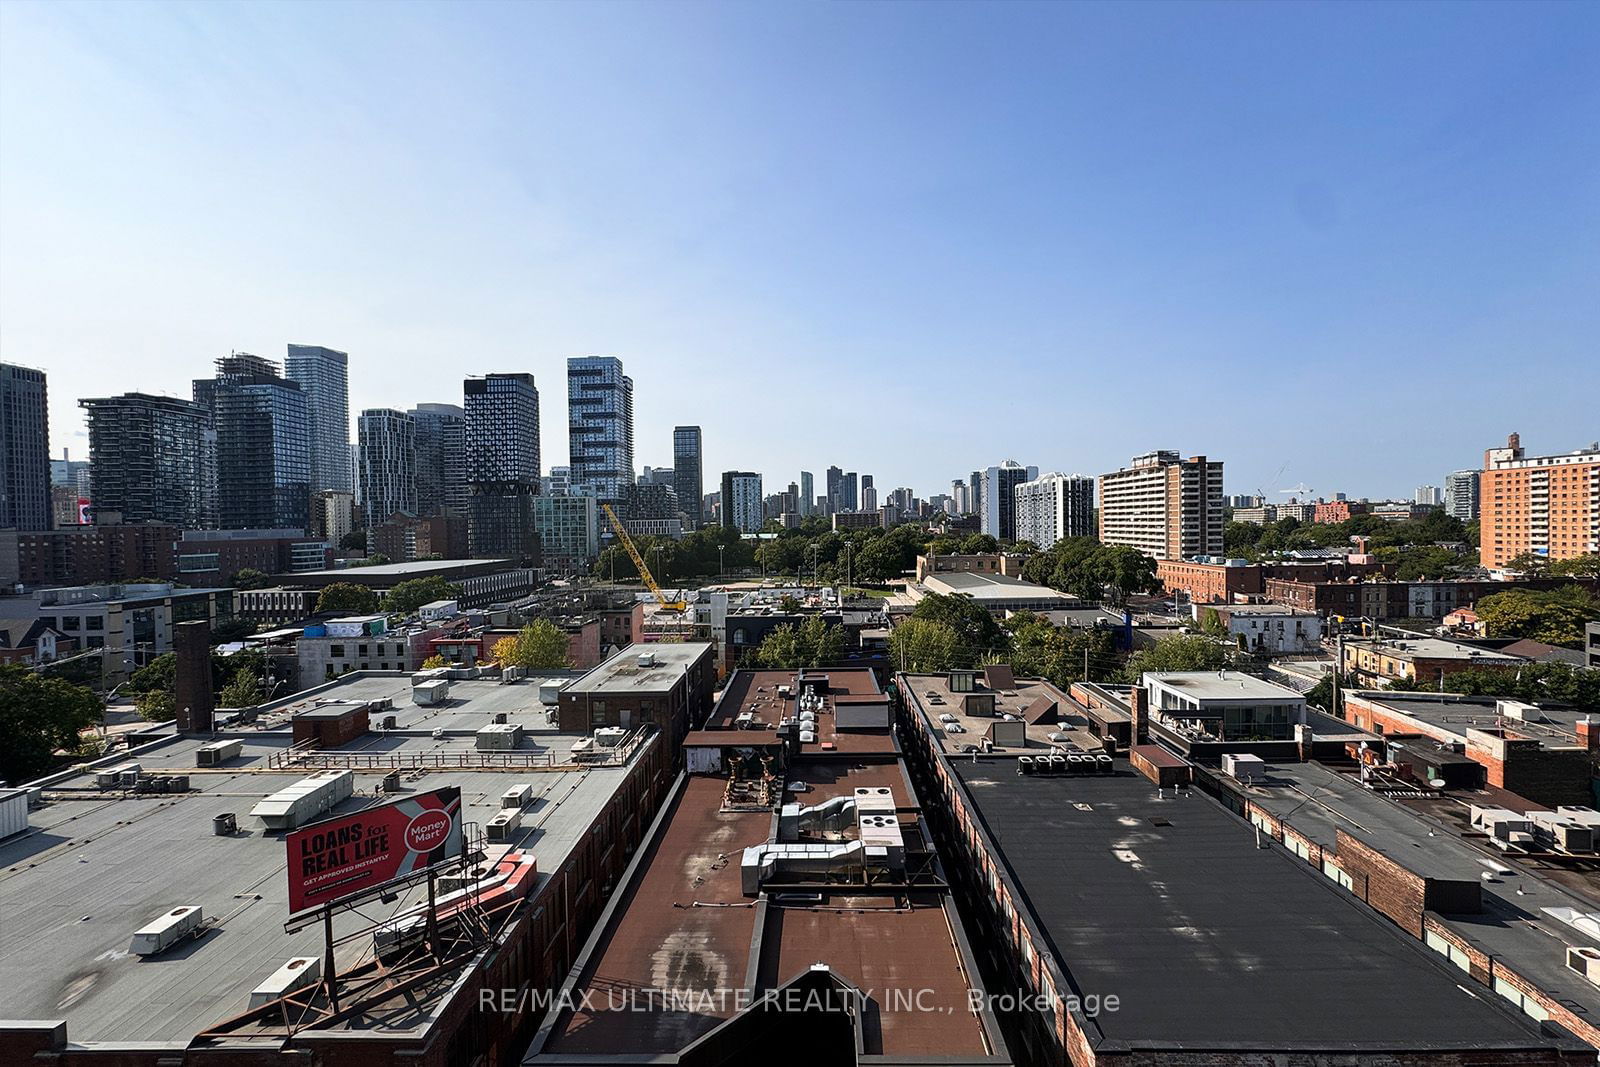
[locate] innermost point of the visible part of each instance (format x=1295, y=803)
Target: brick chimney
x=1589, y=733
x=1139, y=712
x=194, y=699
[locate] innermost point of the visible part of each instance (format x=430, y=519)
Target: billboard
x=348, y=854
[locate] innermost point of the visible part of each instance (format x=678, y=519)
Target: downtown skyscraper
x=323, y=375
x=502, y=446
x=387, y=460
x=687, y=473
x=263, y=454
x=441, y=458
x=600, y=426
x=150, y=457
x=24, y=449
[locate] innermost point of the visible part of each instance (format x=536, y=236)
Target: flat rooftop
x=1432, y=648
x=1454, y=714
x=94, y=866
x=1068, y=726
x=993, y=587
x=755, y=693
x=1209, y=941
x=1221, y=685
x=419, y=568
x=1515, y=926
x=684, y=926
x=668, y=662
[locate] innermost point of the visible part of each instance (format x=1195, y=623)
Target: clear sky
x=1348, y=245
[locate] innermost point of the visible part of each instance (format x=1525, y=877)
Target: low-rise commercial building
x=1420, y=659
x=482, y=581
x=997, y=592
x=276, y=606
x=1006, y=563
x=1212, y=579
x=1091, y=885
x=1386, y=600
x=133, y=622
x=1266, y=629
x=218, y=555
x=1544, y=753
x=669, y=687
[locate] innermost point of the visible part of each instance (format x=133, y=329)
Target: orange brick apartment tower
x=1549, y=505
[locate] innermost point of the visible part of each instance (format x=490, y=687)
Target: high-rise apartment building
x=149, y=457
x=807, y=501
x=569, y=532
x=975, y=494
x=835, y=490
x=1428, y=496
x=323, y=375
x=869, y=494
x=502, y=442
x=333, y=515
x=1544, y=505
x=386, y=447
x=999, y=498
x=557, y=483
x=688, y=479
x=24, y=449
x=1461, y=495
x=263, y=458
x=1164, y=506
x=600, y=425
x=850, y=492
x=441, y=458
x=1053, y=507
x=742, y=502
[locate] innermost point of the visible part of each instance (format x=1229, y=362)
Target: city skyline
x=1106, y=225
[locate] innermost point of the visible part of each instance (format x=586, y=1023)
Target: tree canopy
x=924, y=646
x=347, y=596
x=407, y=596
x=813, y=643
x=1533, y=682
x=539, y=646
x=1057, y=653
x=1180, y=652
x=1089, y=570
x=1556, y=616
x=39, y=716
x=244, y=691
x=251, y=578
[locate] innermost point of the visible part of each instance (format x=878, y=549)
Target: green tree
x=1181, y=652
x=1039, y=649
x=244, y=691
x=157, y=705
x=355, y=541
x=406, y=597
x=1125, y=571
x=231, y=630
x=433, y=661
x=813, y=643
x=39, y=716
x=977, y=543
x=160, y=674
x=925, y=646
x=1584, y=566
x=1556, y=617
x=1533, y=682
x=1530, y=564
x=976, y=630
x=539, y=646
x=348, y=597
x=250, y=578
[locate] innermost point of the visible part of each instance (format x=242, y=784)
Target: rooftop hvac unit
x=390, y=722
x=296, y=973
x=807, y=736
x=303, y=801
x=225, y=825
x=504, y=824
x=1517, y=710
x=1024, y=764
x=517, y=796
x=1058, y=765
x=1104, y=763
x=217, y=753
x=746, y=720
x=501, y=717
x=391, y=782
x=168, y=930
x=438, y=733
x=1584, y=960
x=112, y=777
x=609, y=736
x=583, y=748
x=499, y=737
x=947, y=718
x=436, y=691
x=648, y=659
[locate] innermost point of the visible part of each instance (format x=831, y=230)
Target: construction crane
x=679, y=606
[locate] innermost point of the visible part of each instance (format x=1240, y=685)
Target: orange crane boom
x=638, y=561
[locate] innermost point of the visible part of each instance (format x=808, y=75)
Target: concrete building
x=323, y=375
x=1083, y=882
x=600, y=425
x=441, y=462
x=998, y=593
x=859, y=520
x=1461, y=495
x=1266, y=629
x=1545, y=505
x=579, y=823
x=999, y=511
x=502, y=442
x=1331, y=511
x=403, y=537
x=807, y=490
x=1006, y=563
x=1054, y=507
x=742, y=501
x=482, y=582
x=24, y=449
x=149, y=455
x=263, y=444
x=387, y=453
x=1164, y=506
x=569, y=533
x=335, y=647
x=134, y=622
x=1429, y=495
x=333, y=515
x=688, y=477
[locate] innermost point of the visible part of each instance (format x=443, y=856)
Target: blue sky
x=1348, y=245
